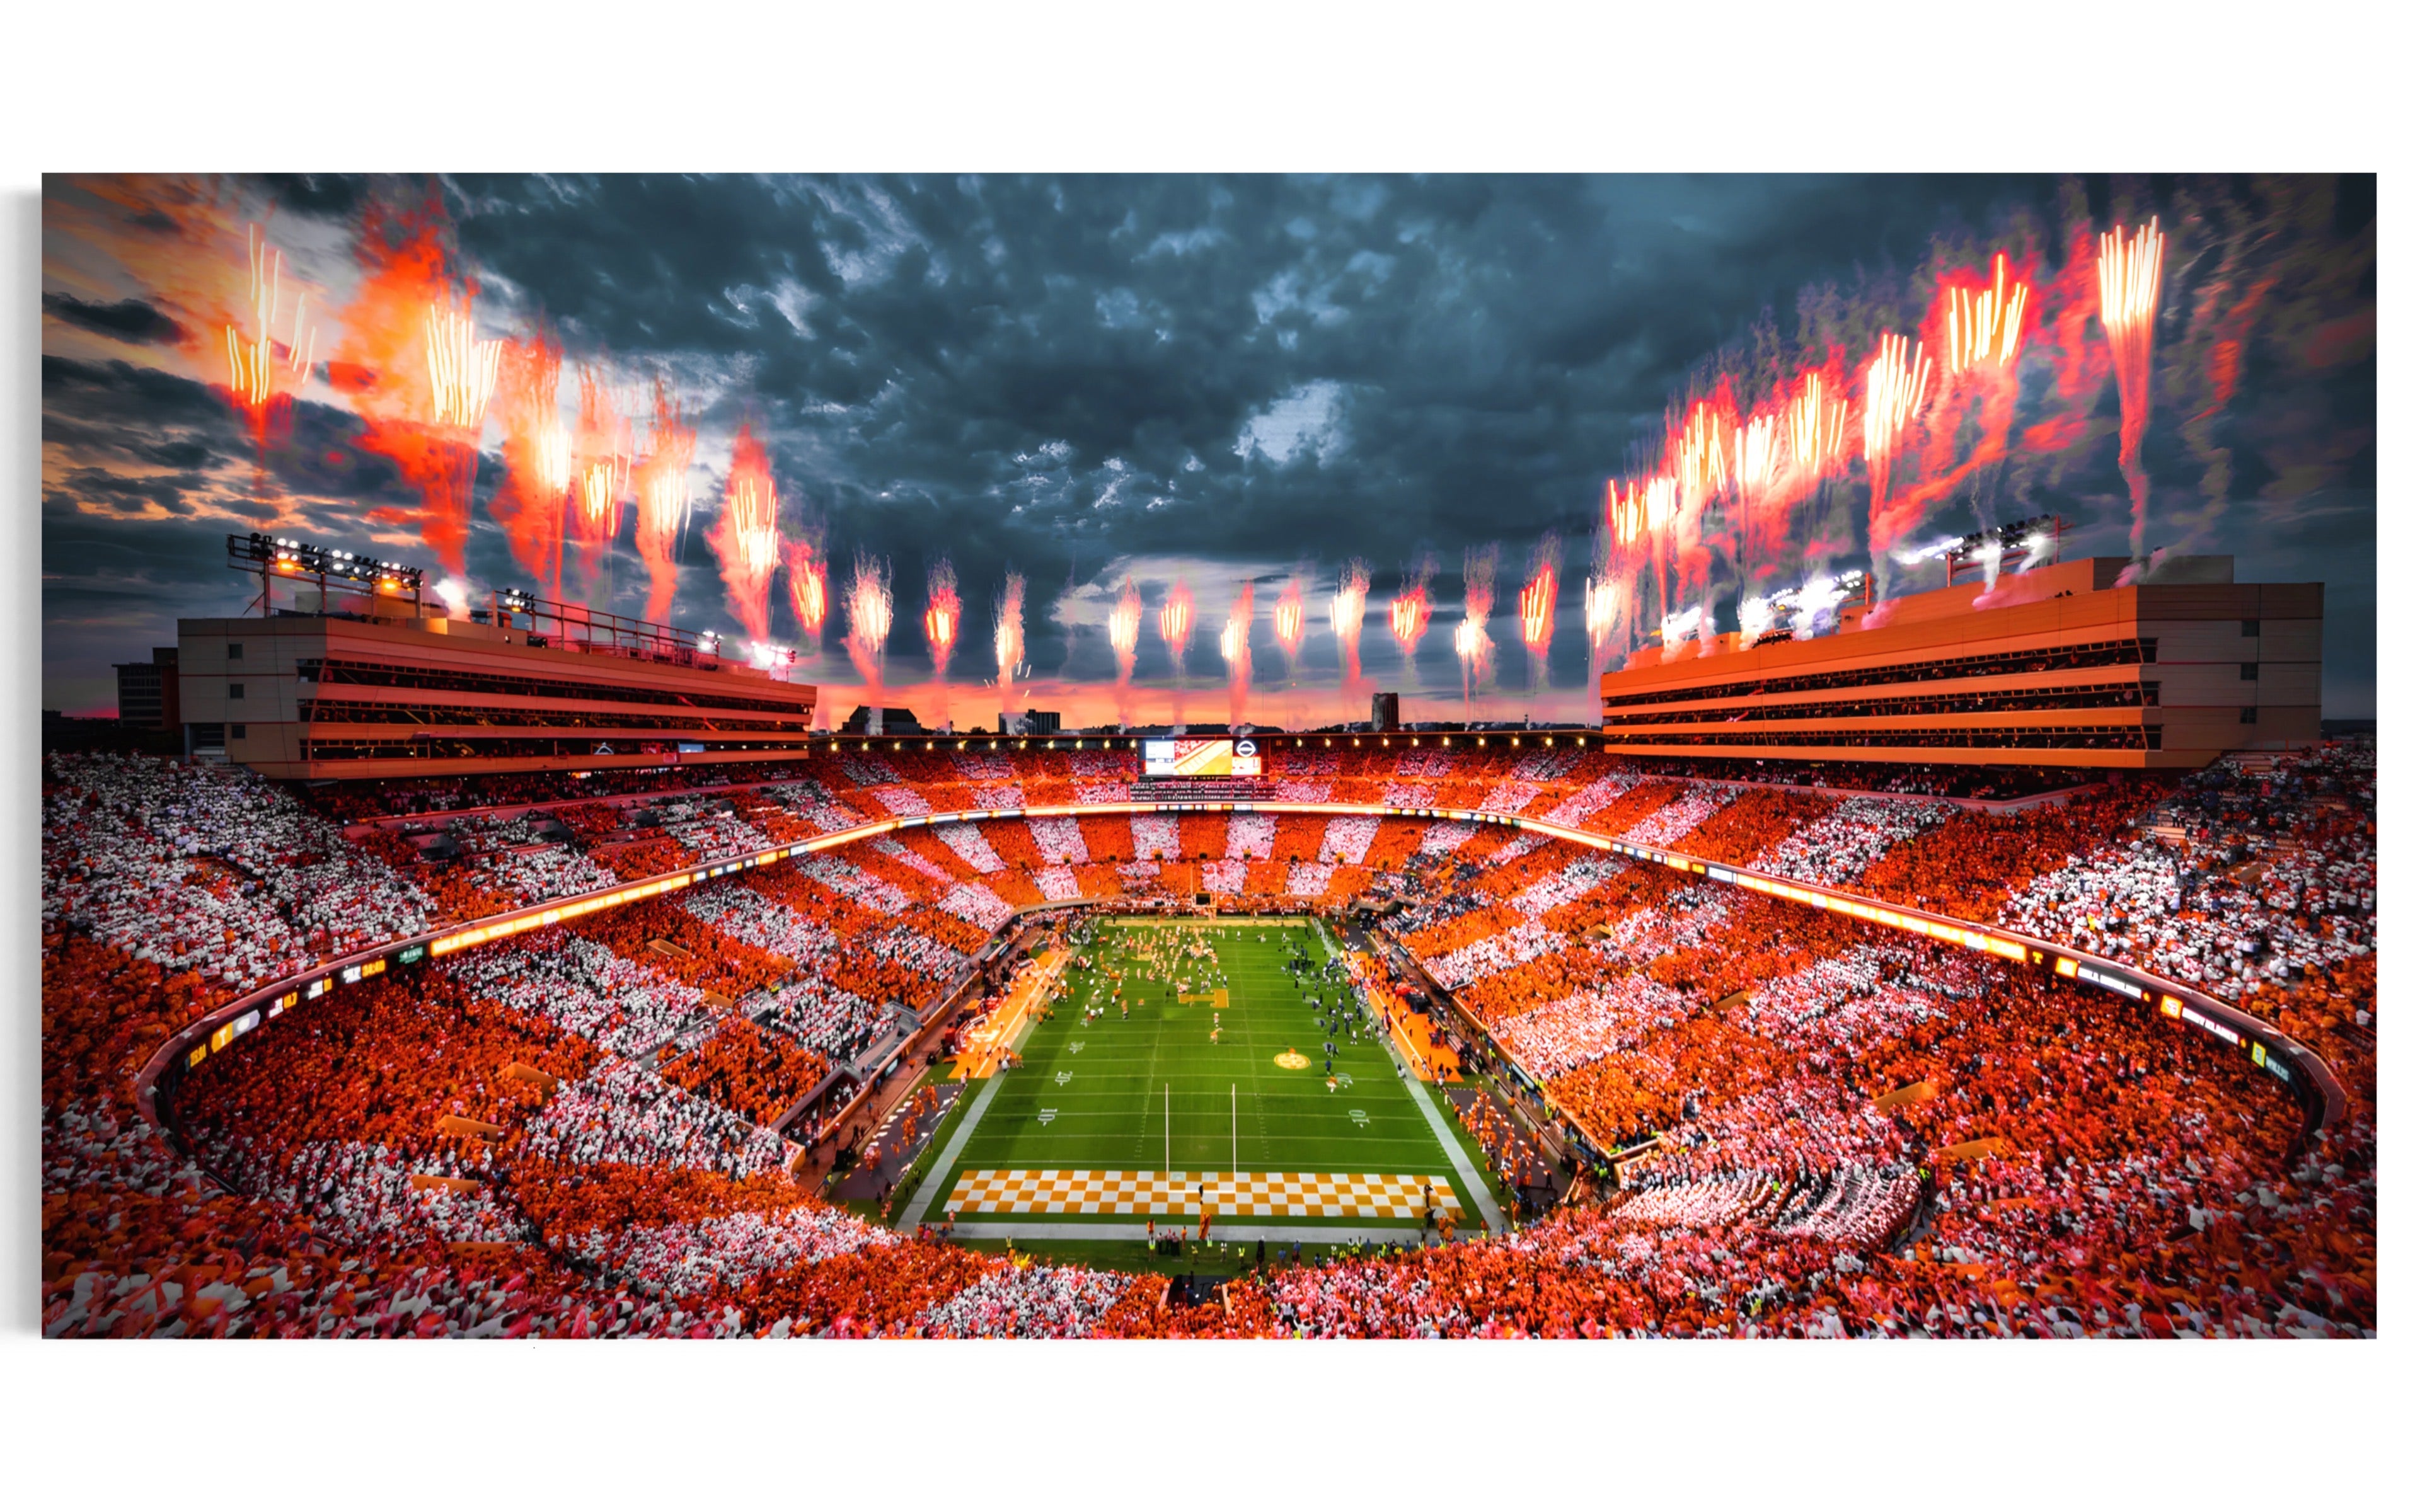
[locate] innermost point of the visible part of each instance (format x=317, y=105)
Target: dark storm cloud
x=128, y=319
x=1236, y=373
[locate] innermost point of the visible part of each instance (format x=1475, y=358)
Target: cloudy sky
x=1207, y=379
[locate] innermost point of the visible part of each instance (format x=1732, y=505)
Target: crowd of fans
x=1828, y=1129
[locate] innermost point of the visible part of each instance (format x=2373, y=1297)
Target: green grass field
x=1152, y=1093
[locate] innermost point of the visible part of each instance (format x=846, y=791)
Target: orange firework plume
x=261, y=371
x=2130, y=311
x=537, y=460
x=1538, y=607
x=1285, y=617
x=1176, y=622
x=1008, y=638
x=1407, y=614
x=1471, y=642
x=802, y=565
x=1344, y=612
x=1640, y=519
x=1894, y=385
x=941, y=621
x=461, y=370
x=869, y=629
x=1702, y=454
x=603, y=477
x=1601, y=602
x=1537, y=610
x=1817, y=424
x=748, y=539
x=1758, y=451
x=1983, y=325
x=410, y=364
x=1236, y=645
x=663, y=506
x=1177, y=633
x=1125, y=633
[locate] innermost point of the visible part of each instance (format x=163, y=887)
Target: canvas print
x=1198, y=756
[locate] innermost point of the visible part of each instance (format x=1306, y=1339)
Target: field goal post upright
x=1167, y=1136
x=1235, y=1146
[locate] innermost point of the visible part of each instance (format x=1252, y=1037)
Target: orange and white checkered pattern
x=1253, y=1195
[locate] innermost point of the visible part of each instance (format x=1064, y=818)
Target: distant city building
x=146, y=691
x=1385, y=711
x=1032, y=722
x=895, y=721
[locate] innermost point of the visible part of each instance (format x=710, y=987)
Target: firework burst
x=1895, y=380
x=1472, y=645
x=1008, y=639
x=803, y=569
x=942, y=620
x=1407, y=613
x=1344, y=615
x=1176, y=634
x=663, y=504
x=747, y=540
x=869, y=629
x=1236, y=646
x=1126, y=634
x=1538, y=607
x=261, y=371
x=537, y=461
x=2130, y=312
x=603, y=478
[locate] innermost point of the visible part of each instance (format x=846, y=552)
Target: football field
x=1134, y=1111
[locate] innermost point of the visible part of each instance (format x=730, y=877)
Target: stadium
x=527, y=900
x=1358, y=1033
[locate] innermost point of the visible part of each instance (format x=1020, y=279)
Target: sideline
x=948, y=1160
x=1481, y=1198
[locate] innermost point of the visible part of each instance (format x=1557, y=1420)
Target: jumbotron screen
x=1201, y=758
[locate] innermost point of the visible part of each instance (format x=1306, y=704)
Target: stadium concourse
x=1824, y=1126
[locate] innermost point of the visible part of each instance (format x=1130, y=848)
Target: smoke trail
x=1126, y=632
x=1236, y=645
x=746, y=541
x=1471, y=642
x=941, y=617
x=1287, y=620
x=1008, y=641
x=2130, y=309
x=803, y=565
x=1538, y=607
x=1895, y=384
x=664, y=501
x=263, y=372
x=1177, y=633
x=537, y=461
x=869, y=630
x=1344, y=612
x=603, y=477
x=413, y=368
